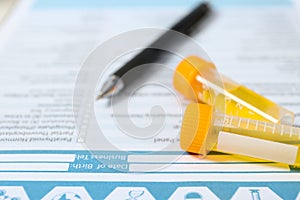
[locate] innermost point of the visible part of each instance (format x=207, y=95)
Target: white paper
x=257, y=46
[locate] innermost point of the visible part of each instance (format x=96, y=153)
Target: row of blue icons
x=139, y=193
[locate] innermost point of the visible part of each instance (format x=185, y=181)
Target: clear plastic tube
x=203, y=128
x=198, y=80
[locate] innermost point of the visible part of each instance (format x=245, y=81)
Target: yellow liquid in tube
x=199, y=81
x=203, y=128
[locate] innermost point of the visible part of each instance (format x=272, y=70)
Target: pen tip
x=112, y=86
x=101, y=95
x=104, y=94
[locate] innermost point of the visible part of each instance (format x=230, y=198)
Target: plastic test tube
x=203, y=128
x=198, y=80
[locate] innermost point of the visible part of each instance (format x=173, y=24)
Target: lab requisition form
x=43, y=156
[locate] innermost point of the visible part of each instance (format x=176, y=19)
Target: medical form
x=42, y=156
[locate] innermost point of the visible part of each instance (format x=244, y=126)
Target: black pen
x=114, y=84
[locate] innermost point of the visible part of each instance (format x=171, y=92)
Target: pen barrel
x=153, y=53
x=147, y=56
x=187, y=24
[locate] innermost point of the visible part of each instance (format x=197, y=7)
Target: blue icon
x=255, y=194
x=135, y=194
x=192, y=195
x=67, y=196
x=3, y=196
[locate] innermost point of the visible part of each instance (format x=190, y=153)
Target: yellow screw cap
x=195, y=127
x=184, y=79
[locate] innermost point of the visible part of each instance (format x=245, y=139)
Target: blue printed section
x=114, y=161
x=102, y=161
x=100, y=190
x=85, y=161
x=130, y=3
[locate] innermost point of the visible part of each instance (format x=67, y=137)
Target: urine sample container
x=204, y=128
x=197, y=80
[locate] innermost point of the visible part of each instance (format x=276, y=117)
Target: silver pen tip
x=102, y=95
x=99, y=96
x=112, y=86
